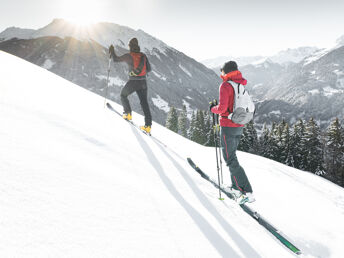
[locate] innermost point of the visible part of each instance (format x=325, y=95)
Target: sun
x=82, y=13
x=81, y=21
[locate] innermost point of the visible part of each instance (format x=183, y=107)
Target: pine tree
x=253, y=138
x=202, y=128
x=244, y=144
x=273, y=142
x=192, y=126
x=278, y=141
x=297, y=145
x=172, y=120
x=182, y=119
x=209, y=131
x=264, y=142
x=314, y=148
x=335, y=152
x=196, y=132
x=249, y=139
x=286, y=155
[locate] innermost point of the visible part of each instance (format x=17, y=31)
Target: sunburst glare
x=82, y=13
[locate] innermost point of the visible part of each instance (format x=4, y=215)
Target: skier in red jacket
x=231, y=132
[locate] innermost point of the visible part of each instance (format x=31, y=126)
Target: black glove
x=112, y=51
x=212, y=104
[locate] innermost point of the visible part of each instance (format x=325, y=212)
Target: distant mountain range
x=313, y=87
x=296, y=83
x=283, y=57
x=81, y=56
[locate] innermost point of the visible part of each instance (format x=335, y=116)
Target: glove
x=212, y=104
x=112, y=51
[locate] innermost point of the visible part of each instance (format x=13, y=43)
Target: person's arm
x=222, y=107
x=124, y=58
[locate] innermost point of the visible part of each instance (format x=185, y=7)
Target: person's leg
x=128, y=89
x=142, y=94
x=230, y=138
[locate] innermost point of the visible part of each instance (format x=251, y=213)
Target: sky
x=200, y=29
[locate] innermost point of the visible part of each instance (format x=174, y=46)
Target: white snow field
x=78, y=181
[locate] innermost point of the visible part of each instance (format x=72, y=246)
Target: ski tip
x=221, y=199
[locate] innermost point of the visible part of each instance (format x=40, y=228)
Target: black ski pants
x=140, y=86
x=230, y=138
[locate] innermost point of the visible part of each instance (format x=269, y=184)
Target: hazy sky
x=201, y=29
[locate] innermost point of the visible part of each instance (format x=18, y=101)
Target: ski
x=108, y=105
x=274, y=231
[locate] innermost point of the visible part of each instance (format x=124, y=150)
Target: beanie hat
x=229, y=67
x=133, y=42
x=134, y=45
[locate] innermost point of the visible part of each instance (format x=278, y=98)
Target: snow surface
x=185, y=70
x=314, y=92
x=275, y=112
x=116, y=81
x=161, y=77
x=316, y=56
x=78, y=181
x=48, y=64
x=329, y=91
x=189, y=110
x=161, y=103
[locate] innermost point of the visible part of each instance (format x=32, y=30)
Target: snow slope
x=78, y=181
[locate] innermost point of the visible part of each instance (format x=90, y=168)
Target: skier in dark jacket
x=231, y=132
x=138, y=68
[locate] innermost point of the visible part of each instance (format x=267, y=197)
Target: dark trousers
x=140, y=86
x=230, y=138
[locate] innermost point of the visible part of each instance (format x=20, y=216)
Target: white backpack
x=243, y=108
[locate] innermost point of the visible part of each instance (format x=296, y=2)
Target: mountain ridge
x=176, y=79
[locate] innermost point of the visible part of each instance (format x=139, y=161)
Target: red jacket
x=226, y=98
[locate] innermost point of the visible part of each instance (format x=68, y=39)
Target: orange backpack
x=139, y=64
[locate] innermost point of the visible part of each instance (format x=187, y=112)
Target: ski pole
x=107, y=81
x=217, y=160
x=218, y=137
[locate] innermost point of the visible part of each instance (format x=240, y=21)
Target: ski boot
x=234, y=192
x=246, y=198
x=127, y=116
x=146, y=129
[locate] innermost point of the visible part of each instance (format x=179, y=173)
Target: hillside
x=78, y=181
x=80, y=55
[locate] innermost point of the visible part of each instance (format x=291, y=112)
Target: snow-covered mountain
x=103, y=33
x=13, y=32
x=216, y=63
x=81, y=56
x=294, y=55
x=286, y=86
x=340, y=41
x=313, y=87
x=77, y=180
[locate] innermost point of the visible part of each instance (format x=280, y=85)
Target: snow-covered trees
x=301, y=145
x=172, y=120
x=182, y=122
x=314, y=149
x=334, y=157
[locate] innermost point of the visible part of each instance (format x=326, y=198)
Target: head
x=229, y=67
x=134, y=45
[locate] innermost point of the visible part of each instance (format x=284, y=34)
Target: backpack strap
x=139, y=69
